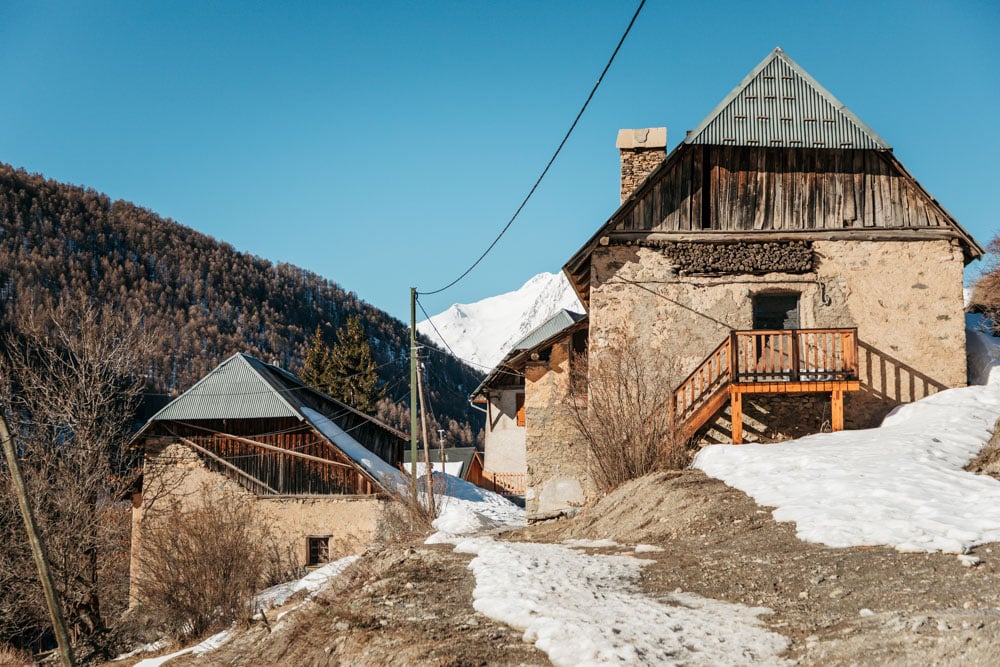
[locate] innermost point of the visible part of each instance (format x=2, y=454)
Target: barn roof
x=779, y=104
x=243, y=387
x=238, y=388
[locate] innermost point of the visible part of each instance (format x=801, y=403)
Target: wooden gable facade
x=779, y=158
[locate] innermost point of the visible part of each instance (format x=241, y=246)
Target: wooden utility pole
x=429, y=471
x=413, y=391
x=37, y=546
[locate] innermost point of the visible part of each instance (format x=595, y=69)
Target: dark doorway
x=776, y=311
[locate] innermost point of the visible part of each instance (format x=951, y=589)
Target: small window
x=520, y=409
x=319, y=551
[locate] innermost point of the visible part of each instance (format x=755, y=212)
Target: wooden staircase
x=791, y=361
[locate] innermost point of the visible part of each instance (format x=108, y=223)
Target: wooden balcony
x=769, y=362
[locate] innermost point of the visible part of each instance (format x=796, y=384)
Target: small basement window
x=319, y=550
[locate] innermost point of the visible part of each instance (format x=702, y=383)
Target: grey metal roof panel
x=560, y=320
x=235, y=389
x=780, y=104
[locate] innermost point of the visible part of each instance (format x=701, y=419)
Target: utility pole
x=37, y=546
x=413, y=391
x=428, y=467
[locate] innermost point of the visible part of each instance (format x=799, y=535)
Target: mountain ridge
x=484, y=331
x=200, y=298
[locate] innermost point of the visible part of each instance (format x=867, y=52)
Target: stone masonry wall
x=905, y=298
x=559, y=481
x=641, y=152
x=176, y=478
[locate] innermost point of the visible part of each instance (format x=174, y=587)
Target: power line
x=445, y=342
x=551, y=160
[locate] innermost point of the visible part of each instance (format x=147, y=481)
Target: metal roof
x=235, y=389
x=779, y=104
x=561, y=321
x=550, y=327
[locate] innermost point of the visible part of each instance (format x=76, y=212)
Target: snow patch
x=901, y=485
x=551, y=593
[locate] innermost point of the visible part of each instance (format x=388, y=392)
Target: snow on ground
x=901, y=484
x=586, y=610
x=210, y=644
x=275, y=596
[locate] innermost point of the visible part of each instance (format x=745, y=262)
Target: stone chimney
x=642, y=151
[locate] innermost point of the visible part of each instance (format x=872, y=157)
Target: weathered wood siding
x=733, y=188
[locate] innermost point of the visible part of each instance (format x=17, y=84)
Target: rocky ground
x=412, y=604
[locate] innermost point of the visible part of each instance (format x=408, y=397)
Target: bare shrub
x=201, y=564
x=70, y=376
x=623, y=411
x=404, y=519
x=986, y=291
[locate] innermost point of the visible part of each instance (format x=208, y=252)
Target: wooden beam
x=221, y=461
x=760, y=235
x=736, y=408
x=272, y=448
x=837, y=410
x=804, y=387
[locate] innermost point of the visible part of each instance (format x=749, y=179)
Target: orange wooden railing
x=710, y=377
x=795, y=355
x=748, y=357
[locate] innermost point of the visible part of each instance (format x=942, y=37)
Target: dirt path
x=412, y=605
x=836, y=606
x=407, y=605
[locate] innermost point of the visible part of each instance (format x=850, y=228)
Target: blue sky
x=383, y=145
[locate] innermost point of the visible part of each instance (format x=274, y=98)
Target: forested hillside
x=200, y=299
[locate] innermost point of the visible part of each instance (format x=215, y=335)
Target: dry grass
x=12, y=657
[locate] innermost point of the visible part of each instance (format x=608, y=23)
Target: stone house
x=503, y=392
x=311, y=466
x=781, y=271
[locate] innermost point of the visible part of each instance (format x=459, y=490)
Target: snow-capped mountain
x=482, y=332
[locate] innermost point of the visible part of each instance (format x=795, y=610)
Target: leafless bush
x=623, y=411
x=986, y=291
x=404, y=518
x=69, y=379
x=201, y=564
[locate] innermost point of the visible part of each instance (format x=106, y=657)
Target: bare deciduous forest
x=199, y=299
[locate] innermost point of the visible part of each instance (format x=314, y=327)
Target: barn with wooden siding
x=255, y=430
x=781, y=269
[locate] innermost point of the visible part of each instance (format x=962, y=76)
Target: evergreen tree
x=317, y=367
x=354, y=377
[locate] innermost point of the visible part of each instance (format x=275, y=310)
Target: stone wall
x=641, y=152
x=559, y=481
x=175, y=478
x=905, y=298
x=504, y=443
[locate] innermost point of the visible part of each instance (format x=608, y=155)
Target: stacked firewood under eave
x=739, y=257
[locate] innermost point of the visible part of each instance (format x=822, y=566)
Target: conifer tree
x=317, y=370
x=354, y=378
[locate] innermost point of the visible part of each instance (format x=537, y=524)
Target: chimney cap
x=650, y=137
